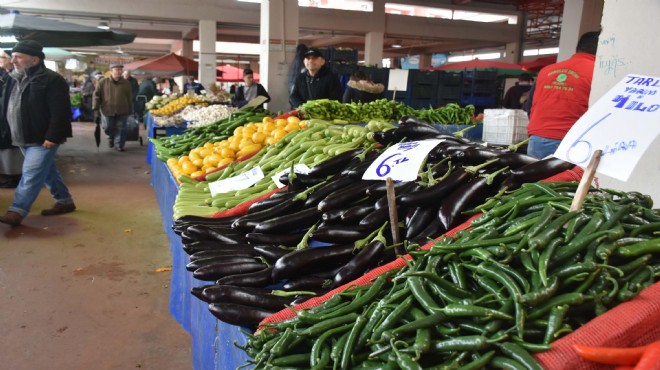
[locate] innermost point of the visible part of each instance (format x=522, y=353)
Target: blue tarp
x=212, y=340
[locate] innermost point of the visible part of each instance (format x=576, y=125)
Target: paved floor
x=81, y=291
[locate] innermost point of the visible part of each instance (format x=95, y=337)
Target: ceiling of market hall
x=160, y=35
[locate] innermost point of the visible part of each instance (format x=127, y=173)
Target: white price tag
x=401, y=162
x=622, y=123
x=242, y=181
x=297, y=168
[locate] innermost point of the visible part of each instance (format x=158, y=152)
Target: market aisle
x=80, y=291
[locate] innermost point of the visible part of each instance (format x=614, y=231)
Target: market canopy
x=536, y=64
x=502, y=68
x=232, y=74
x=166, y=65
x=54, y=33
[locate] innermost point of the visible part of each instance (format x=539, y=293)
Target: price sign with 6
x=623, y=123
x=401, y=162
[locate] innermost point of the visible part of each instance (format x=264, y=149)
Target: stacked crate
x=450, y=87
x=480, y=88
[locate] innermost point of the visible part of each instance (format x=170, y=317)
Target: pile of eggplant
x=344, y=219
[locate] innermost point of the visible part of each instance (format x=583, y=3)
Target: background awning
x=53, y=33
x=166, y=65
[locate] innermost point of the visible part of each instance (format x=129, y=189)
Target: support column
x=207, y=54
x=373, y=41
x=514, y=51
x=279, y=37
x=579, y=16
x=373, y=49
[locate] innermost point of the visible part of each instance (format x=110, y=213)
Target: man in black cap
x=39, y=116
x=250, y=91
x=316, y=82
x=113, y=99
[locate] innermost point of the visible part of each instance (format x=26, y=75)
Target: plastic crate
x=481, y=75
x=505, y=126
x=344, y=55
x=449, y=92
x=481, y=101
x=450, y=78
x=343, y=68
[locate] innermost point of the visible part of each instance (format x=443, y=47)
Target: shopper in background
x=250, y=91
x=112, y=98
x=11, y=158
x=360, y=89
x=316, y=82
x=39, y=116
x=135, y=86
x=561, y=97
x=517, y=95
x=191, y=84
x=146, y=92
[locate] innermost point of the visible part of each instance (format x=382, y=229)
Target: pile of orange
x=245, y=140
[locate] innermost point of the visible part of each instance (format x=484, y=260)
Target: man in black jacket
x=250, y=91
x=316, y=82
x=39, y=116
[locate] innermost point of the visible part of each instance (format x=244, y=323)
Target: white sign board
x=398, y=80
x=401, y=162
x=297, y=168
x=622, y=123
x=242, y=181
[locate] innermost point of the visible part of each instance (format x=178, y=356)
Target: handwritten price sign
x=401, y=162
x=622, y=123
x=239, y=182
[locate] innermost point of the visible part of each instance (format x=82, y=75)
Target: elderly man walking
x=39, y=116
x=112, y=98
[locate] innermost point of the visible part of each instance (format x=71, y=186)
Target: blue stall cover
x=212, y=340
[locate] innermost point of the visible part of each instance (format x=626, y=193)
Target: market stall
x=522, y=221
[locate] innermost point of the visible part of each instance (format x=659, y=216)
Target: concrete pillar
x=279, y=37
x=373, y=41
x=513, y=52
x=373, y=49
x=579, y=16
x=207, y=54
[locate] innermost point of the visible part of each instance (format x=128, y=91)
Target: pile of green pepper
x=385, y=109
x=523, y=274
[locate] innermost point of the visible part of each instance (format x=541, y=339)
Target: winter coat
x=324, y=85
x=45, y=107
x=6, y=83
x=112, y=97
x=363, y=91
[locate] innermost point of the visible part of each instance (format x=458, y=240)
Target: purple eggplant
x=271, y=201
x=307, y=282
x=291, y=221
x=343, y=197
x=358, y=265
x=339, y=234
x=541, y=169
x=301, y=261
x=464, y=198
x=196, y=264
x=435, y=194
x=218, y=270
x=241, y=315
x=249, y=221
x=335, y=164
x=257, y=279
x=285, y=238
x=255, y=297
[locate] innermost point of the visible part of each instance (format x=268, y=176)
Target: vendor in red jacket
x=561, y=97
